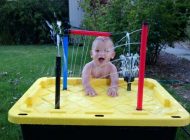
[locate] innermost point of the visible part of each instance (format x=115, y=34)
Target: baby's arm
x=86, y=74
x=112, y=91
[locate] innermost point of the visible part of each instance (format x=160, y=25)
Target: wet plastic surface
x=37, y=105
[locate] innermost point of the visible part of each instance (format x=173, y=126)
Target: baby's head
x=102, y=50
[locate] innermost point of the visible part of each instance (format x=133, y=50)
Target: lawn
x=20, y=66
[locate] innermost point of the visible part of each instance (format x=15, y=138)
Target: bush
x=23, y=21
x=167, y=20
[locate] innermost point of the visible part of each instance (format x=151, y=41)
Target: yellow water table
x=101, y=116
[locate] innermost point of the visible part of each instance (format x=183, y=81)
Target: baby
x=100, y=66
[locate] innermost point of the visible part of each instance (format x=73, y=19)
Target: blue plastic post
x=65, y=61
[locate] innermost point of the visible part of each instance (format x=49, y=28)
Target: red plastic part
x=144, y=36
x=89, y=33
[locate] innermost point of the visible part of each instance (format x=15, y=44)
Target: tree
x=167, y=20
x=23, y=21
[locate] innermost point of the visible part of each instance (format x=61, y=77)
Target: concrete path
x=181, y=50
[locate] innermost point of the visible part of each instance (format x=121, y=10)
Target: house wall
x=75, y=13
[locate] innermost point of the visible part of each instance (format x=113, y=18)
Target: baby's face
x=102, y=52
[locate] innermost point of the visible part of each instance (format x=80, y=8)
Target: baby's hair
x=104, y=39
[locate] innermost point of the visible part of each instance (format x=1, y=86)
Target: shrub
x=23, y=21
x=167, y=20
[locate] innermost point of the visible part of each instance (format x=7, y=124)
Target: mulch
x=173, y=71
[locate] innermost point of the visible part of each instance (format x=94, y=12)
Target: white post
x=75, y=13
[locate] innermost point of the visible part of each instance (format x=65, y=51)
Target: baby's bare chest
x=100, y=72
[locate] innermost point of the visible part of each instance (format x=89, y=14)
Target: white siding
x=75, y=13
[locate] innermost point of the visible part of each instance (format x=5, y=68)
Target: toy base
x=37, y=105
x=49, y=132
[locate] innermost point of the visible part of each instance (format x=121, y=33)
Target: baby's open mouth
x=101, y=59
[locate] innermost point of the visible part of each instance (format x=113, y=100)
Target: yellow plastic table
x=35, y=110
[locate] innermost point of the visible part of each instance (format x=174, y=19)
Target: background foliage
x=22, y=21
x=168, y=19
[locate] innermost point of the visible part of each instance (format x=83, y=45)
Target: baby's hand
x=90, y=91
x=112, y=91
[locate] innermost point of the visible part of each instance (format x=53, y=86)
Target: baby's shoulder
x=112, y=67
x=88, y=65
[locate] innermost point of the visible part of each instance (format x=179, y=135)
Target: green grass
x=187, y=86
x=20, y=66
